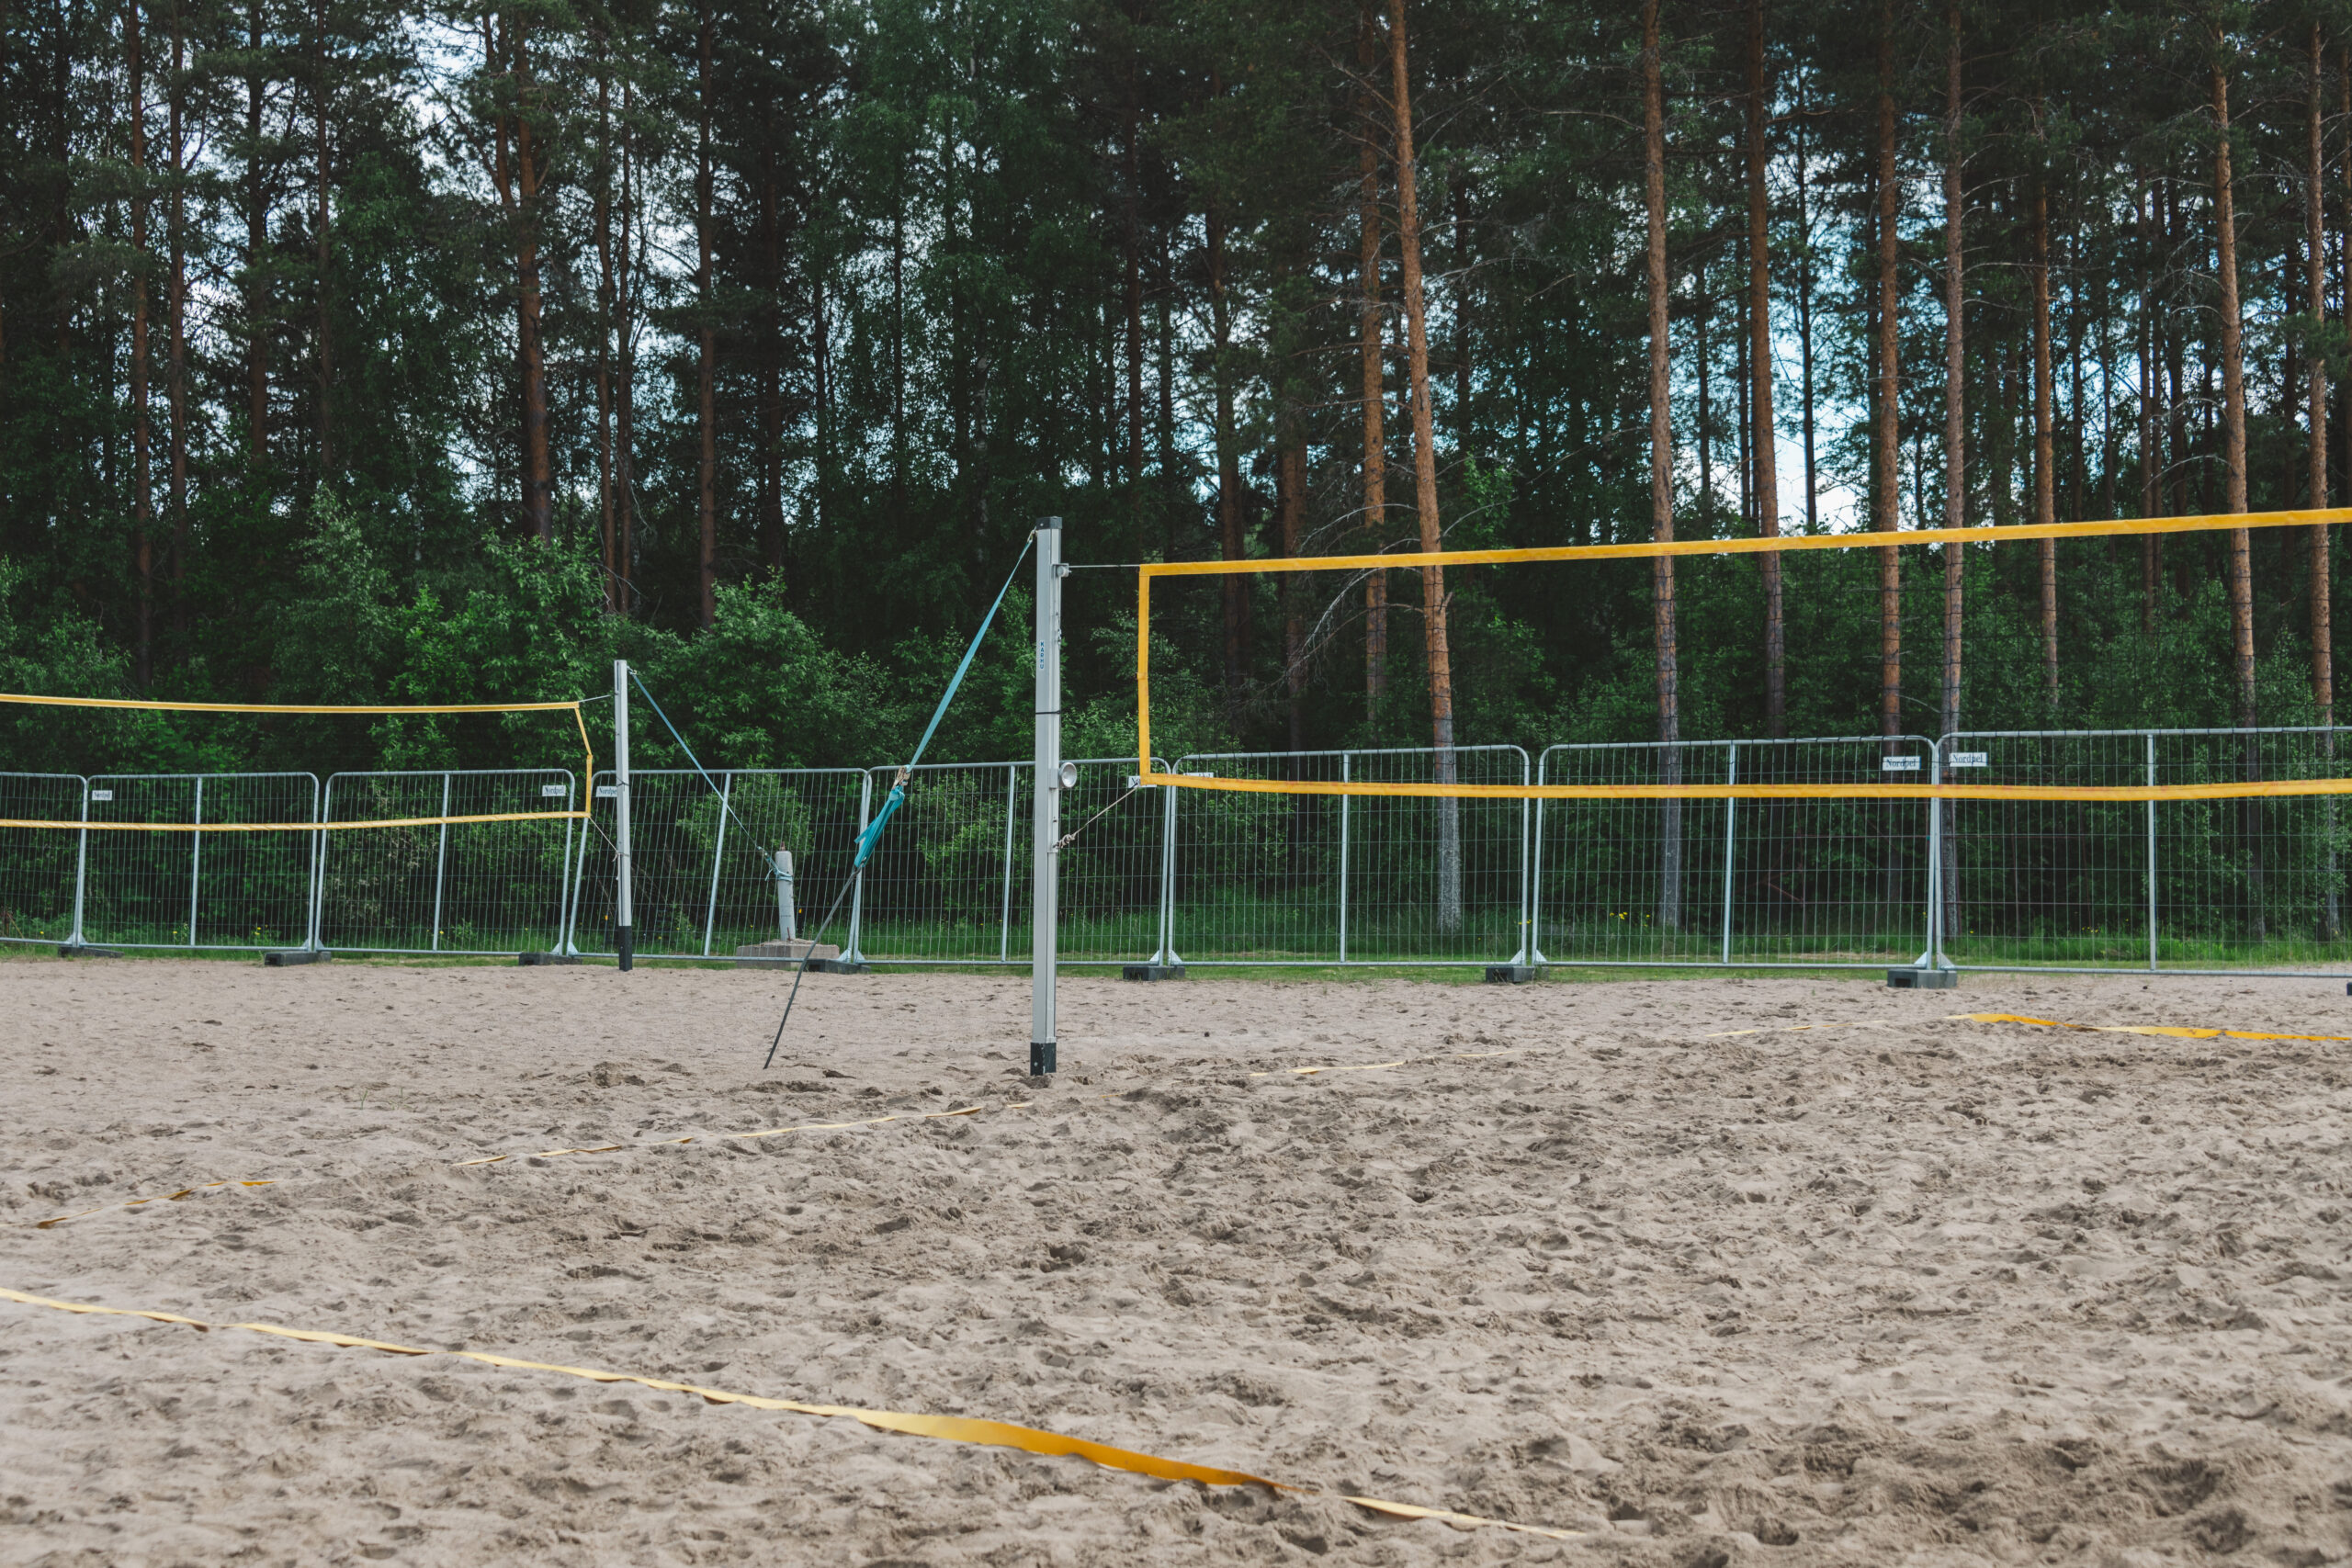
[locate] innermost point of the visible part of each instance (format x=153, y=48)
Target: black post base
x=1922, y=980
x=76, y=950
x=534, y=960
x=289, y=957
x=1041, y=1058
x=1512, y=974
x=625, y=944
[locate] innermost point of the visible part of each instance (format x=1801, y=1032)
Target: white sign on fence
x=1970, y=758
x=102, y=794
x=1898, y=765
x=551, y=789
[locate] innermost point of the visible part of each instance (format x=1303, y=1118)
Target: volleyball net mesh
x=2250, y=783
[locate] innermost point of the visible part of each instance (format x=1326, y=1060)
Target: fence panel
x=950, y=883
x=1831, y=882
x=700, y=885
x=1633, y=881
x=2229, y=884
x=1332, y=879
x=478, y=887
x=39, y=867
x=198, y=889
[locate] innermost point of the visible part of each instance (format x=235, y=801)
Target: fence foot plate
x=533, y=959
x=839, y=966
x=294, y=955
x=781, y=954
x=1151, y=972
x=73, y=950
x=1512, y=974
x=1923, y=979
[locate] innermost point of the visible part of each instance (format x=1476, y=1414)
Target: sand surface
x=1906, y=1291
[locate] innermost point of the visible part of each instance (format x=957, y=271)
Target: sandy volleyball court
x=1909, y=1291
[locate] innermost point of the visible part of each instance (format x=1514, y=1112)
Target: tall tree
x=2233, y=472
x=1669, y=711
x=707, y=359
x=1955, y=366
x=1764, y=487
x=1885, y=394
x=1433, y=606
x=2315, y=308
x=142, y=490
x=2045, y=506
x=1371, y=320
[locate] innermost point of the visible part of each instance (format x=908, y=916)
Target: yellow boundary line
x=946, y=1428
x=578, y=717
x=1777, y=545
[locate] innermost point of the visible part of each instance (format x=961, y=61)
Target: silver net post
x=1048, y=818
x=623, y=935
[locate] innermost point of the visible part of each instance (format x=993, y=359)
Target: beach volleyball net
x=425, y=860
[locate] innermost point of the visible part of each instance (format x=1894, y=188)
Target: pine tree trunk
x=1370, y=318
x=1290, y=512
x=143, y=499
x=706, y=363
x=2315, y=306
x=257, y=302
x=2331, y=912
x=2151, y=391
x=1669, y=704
x=771, y=364
x=1433, y=606
x=2044, y=465
x=1804, y=321
x=2240, y=567
x=1885, y=476
x=626, y=273
x=1132, y=241
x=1230, y=543
x=176, y=313
x=1955, y=376
x=321, y=85
x=518, y=183
x=2241, y=576
x=1955, y=436
x=1764, y=486
x=608, y=542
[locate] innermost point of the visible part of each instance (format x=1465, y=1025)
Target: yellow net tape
x=587, y=758
x=1779, y=544
x=947, y=1428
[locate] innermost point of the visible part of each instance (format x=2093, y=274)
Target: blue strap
x=898, y=795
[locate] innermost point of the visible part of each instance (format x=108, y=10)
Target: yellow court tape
x=135, y=1202
x=947, y=1428
x=2172, y=1030
x=2242, y=790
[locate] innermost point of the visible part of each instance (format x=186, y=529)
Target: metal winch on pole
x=1052, y=779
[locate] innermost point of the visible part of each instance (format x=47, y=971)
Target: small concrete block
x=1923, y=979
x=1512, y=974
x=73, y=950
x=293, y=955
x=1151, y=972
x=780, y=954
x=838, y=967
x=534, y=960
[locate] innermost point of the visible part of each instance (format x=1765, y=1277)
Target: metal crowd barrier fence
x=2230, y=886
x=2238, y=887
x=455, y=888
x=1804, y=882
x=700, y=882
x=1339, y=879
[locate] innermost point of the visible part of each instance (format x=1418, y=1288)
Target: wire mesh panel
x=1310, y=878
x=198, y=889
x=950, y=883
x=1631, y=881
x=1829, y=881
x=449, y=887
x=2235, y=883
x=700, y=884
x=39, y=867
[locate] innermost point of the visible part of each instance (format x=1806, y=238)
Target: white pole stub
x=1048, y=827
x=623, y=934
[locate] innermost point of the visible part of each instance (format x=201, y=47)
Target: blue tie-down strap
x=865, y=840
